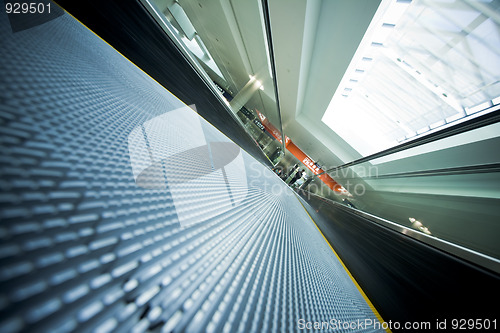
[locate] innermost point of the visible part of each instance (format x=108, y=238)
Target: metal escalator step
x=124, y=210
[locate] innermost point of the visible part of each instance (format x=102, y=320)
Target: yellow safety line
x=370, y=304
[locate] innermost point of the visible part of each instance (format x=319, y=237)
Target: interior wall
x=451, y=186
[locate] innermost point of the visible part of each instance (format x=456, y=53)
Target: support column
x=244, y=95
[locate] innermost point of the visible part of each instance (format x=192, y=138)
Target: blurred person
x=296, y=177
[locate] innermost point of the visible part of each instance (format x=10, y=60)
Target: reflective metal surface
x=238, y=66
x=123, y=210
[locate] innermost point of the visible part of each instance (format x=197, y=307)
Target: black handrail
x=267, y=23
x=463, y=170
x=468, y=125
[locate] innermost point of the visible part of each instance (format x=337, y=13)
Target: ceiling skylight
x=422, y=65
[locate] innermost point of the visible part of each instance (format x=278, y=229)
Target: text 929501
x=13, y=7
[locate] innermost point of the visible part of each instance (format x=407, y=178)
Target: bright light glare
x=343, y=116
x=354, y=127
x=412, y=75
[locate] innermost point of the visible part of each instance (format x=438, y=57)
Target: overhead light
x=419, y=226
x=425, y=230
x=261, y=88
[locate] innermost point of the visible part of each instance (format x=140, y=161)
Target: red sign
x=300, y=155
